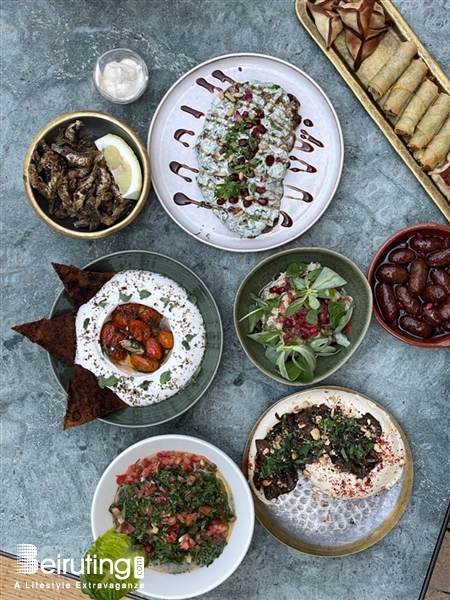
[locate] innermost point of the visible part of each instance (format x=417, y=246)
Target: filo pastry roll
x=416, y=108
x=430, y=123
x=431, y=156
x=404, y=87
x=392, y=69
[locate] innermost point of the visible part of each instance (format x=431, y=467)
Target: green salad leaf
x=314, y=287
x=109, y=567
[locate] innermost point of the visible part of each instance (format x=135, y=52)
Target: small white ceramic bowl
x=200, y=580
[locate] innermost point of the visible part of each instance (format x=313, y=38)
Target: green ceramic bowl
x=154, y=414
x=357, y=286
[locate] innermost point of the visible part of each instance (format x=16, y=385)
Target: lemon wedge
x=123, y=163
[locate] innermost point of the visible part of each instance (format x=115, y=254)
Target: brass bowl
x=97, y=124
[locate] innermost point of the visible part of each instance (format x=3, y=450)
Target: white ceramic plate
x=315, y=169
x=199, y=581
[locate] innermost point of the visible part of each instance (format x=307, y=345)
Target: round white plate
x=315, y=169
x=157, y=584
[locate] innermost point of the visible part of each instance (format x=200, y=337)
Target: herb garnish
x=300, y=316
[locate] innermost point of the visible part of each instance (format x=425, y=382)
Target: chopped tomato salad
x=175, y=507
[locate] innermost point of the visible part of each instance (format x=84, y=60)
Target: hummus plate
x=313, y=518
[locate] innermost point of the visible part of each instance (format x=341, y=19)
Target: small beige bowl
x=97, y=124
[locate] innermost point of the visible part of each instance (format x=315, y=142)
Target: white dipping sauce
x=121, y=79
x=185, y=320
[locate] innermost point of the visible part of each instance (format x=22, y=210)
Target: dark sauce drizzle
x=305, y=196
x=181, y=199
x=192, y=111
x=304, y=135
x=179, y=133
x=309, y=168
x=208, y=86
x=222, y=77
x=175, y=167
x=286, y=219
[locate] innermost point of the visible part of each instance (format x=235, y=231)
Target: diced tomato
x=217, y=529
x=186, y=542
x=172, y=537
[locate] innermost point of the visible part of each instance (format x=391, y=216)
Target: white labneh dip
x=185, y=321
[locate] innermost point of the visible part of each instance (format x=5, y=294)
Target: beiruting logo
x=89, y=565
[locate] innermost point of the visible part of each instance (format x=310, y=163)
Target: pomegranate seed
x=242, y=142
x=270, y=160
x=247, y=203
x=289, y=322
x=245, y=192
x=260, y=189
x=429, y=305
x=260, y=113
x=248, y=125
x=281, y=290
x=273, y=289
x=234, y=177
x=255, y=132
x=233, y=200
x=221, y=201
x=261, y=128
x=245, y=114
x=263, y=201
x=248, y=97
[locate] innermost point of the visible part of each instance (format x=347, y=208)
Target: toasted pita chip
x=86, y=401
x=81, y=285
x=57, y=335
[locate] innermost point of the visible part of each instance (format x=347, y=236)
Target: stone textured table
x=48, y=50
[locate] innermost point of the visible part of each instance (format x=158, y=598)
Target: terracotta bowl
x=97, y=124
x=441, y=340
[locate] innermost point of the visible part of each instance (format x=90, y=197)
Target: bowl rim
x=382, y=250
x=141, y=155
x=350, y=350
x=203, y=447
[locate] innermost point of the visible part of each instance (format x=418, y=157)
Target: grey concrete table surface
x=48, y=50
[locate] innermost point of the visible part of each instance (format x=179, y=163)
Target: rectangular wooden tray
x=343, y=61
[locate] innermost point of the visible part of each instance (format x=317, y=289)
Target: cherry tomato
x=149, y=315
x=118, y=354
x=165, y=338
x=154, y=349
x=139, y=330
x=110, y=335
x=123, y=314
x=144, y=363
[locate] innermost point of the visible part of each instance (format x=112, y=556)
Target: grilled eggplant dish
x=243, y=155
